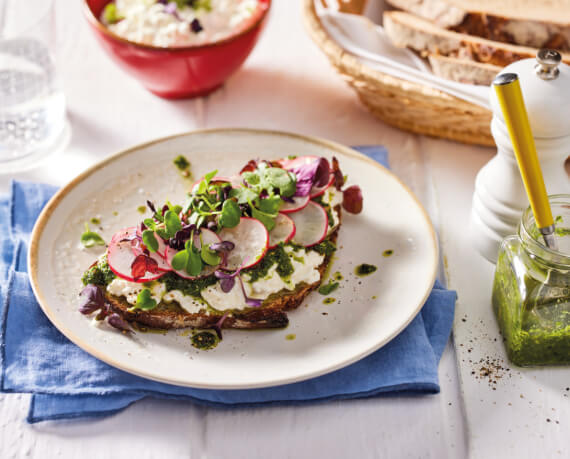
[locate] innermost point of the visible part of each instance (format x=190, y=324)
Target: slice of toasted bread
x=407, y=30
x=272, y=314
x=462, y=70
x=527, y=23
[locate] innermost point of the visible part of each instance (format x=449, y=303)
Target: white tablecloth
x=287, y=84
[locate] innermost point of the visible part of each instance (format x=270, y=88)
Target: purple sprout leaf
x=227, y=284
x=224, y=246
x=171, y=8
x=93, y=299
x=151, y=206
x=249, y=301
x=218, y=326
x=116, y=321
x=323, y=173
x=305, y=177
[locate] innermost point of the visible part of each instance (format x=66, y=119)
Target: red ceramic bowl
x=179, y=72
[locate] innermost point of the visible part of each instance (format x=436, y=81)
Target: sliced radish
x=296, y=162
x=311, y=224
x=251, y=240
x=299, y=202
x=120, y=257
x=208, y=237
x=125, y=233
x=283, y=231
x=317, y=191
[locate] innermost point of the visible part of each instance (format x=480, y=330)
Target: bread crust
x=271, y=315
x=406, y=30
x=525, y=31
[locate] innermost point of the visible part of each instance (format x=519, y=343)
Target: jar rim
x=536, y=246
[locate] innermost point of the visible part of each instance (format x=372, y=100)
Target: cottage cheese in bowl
x=178, y=23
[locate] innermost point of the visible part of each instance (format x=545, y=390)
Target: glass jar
x=531, y=291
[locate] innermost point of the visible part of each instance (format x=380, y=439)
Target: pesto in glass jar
x=531, y=291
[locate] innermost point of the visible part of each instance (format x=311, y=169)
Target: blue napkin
x=66, y=382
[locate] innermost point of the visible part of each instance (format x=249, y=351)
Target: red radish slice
x=120, y=257
x=125, y=233
x=283, y=231
x=251, y=240
x=317, y=191
x=208, y=237
x=311, y=224
x=296, y=162
x=299, y=202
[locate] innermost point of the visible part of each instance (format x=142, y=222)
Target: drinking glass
x=32, y=105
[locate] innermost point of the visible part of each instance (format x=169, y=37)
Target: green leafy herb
x=270, y=205
x=243, y=194
x=267, y=219
x=180, y=260
x=90, y=238
x=149, y=239
x=145, y=301
x=150, y=223
x=172, y=222
x=209, y=256
x=282, y=180
x=230, y=215
x=327, y=289
x=111, y=15
x=194, y=265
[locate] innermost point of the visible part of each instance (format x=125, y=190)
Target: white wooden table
x=287, y=84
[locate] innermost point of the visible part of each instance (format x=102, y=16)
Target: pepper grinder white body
x=500, y=198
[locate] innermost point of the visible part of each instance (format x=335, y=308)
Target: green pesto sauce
x=95, y=221
x=364, y=269
x=181, y=162
x=204, y=340
x=326, y=248
x=141, y=209
x=329, y=300
x=327, y=289
x=536, y=326
x=290, y=337
x=144, y=329
x=338, y=276
x=99, y=274
x=273, y=256
x=387, y=253
x=190, y=287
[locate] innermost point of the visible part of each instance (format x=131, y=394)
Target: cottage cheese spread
x=305, y=270
x=155, y=23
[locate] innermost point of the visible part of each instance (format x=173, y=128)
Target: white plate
x=368, y=312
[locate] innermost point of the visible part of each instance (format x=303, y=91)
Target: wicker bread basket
x=400, y=103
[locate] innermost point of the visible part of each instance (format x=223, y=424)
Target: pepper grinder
x=500, y=198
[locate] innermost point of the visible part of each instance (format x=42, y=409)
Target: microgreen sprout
x=145, y=301
x=91, y=238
